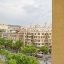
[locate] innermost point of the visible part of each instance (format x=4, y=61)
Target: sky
x=25, y=12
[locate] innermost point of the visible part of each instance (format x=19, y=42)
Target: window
x=46, y=43
x=49, y=33
x=38, y=36
x=45, y=40
x=41, y=36
x=31, y=36
x=38, y=40
x=48, y=36
x=45, y=33
x=50, y=46
x=42, y=33
x=38, y=33
x=42, y=43
x=35, y=36
x=31, y=40
x=35, y=33
x=38, y=43
x=49, y=43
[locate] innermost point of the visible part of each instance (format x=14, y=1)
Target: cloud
x=24, y=12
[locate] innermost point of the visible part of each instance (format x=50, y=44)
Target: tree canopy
x=18, y=44
x=23, y=59
x=28, y=49
x=12, y=61
x=44, y=49
x=2, y=41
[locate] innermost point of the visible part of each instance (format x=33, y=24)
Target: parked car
x=39, y=55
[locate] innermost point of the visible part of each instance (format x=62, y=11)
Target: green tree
x=2, y=41
x=12, y=61
x=44, y=49
x=28, y=50
x=0, y=46
x=4, y=52
x=8, y=43
x=18, y=44
x=19, y=58
x=23, y=59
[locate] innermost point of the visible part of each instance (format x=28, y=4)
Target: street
x=42, y=61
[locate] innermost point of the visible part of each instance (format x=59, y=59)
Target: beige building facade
x=15, y=36
x=38, y=36
x=3, y=27
x=3, y=35
x=34, y=35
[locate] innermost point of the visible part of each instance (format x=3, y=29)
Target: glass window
x=38, y=36
x=42, y=33
x=38, y=40
x=49, y=33
x=42, y=43
x=49, y=43
x=38, y=33
x=38, y=43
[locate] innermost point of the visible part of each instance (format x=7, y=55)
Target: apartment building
x=15, y=36
x=3, y=35
x=34, y=35
x=38, y=36
x=10, y=28
x=4, y=28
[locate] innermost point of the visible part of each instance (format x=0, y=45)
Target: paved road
x=42, y=62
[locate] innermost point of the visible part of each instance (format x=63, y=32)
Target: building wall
x=4, y=27
x=38, y=36
x=3, y=35
x=15, y=36
x=38, y=39
x=34, y=35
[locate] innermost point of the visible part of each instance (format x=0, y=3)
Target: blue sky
x=25, y=12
